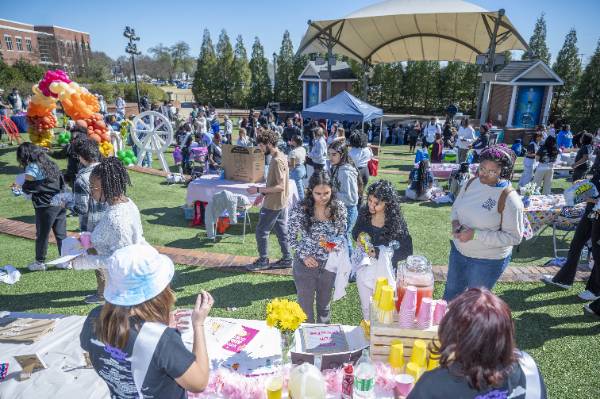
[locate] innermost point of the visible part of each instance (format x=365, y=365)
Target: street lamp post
x=132, y=49
x=274, y=73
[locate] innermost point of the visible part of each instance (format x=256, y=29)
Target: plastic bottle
x=364, y=378
x=348, y=381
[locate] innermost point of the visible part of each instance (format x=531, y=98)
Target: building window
x=19, y=43
x=28, y=44
x=8, y=41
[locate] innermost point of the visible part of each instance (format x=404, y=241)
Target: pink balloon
x=52, y=76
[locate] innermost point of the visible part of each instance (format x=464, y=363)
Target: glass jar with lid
x=416, y=271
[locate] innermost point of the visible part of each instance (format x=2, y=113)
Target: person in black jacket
x=383, y=220
x=73, y=165
x=43, y=181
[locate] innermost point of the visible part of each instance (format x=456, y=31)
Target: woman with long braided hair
x=121, y=224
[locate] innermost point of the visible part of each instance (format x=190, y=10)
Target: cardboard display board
x=246, y=164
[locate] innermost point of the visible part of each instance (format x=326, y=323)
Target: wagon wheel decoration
x=152, y=132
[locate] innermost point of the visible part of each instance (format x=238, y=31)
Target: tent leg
x=380, y=132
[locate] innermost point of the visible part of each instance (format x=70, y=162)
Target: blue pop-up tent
x=343, y=107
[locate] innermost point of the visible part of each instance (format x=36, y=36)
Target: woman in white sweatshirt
x=487, y=221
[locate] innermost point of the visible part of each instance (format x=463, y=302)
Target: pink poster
x=240, y=339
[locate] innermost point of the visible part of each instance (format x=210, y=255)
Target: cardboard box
x=245, y=164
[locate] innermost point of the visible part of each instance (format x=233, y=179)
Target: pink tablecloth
x=444, y=170
x=205, y=187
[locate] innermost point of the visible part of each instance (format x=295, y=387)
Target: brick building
x=51, y=46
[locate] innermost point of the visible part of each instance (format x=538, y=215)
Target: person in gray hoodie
x=344, y=176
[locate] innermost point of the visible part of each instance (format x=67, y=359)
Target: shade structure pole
x=329, y=57
x=486, y=85
x=365, y=92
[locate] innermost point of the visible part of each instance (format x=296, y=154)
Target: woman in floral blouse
x=317, y=227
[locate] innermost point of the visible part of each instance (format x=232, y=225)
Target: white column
x=486, y=103
x=511, y=108
x=320, y=91
x=303, y=94
x=547, y=105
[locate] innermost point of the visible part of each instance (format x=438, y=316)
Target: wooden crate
x=383, y=335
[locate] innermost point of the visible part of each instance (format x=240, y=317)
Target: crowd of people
x=328, y=163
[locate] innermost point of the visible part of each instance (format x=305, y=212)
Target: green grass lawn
x=162, y=216
x=549, y=323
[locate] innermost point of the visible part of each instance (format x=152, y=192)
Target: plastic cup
x=381, y=282
x=404, y=384
x=424, y=316
x=434, y=362
x=419, y=353
x=439, y=311
x=274, y=386
x=414, y=370
x=386, y=302
x=408, y=307
x=396, y=357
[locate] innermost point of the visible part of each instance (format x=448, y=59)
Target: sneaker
x=94, y=299
x=284, y=263
x=259, y=264
x=588, y=295
x=587, y=311
x=37, y=266
x=65, y=266
x=548, y=279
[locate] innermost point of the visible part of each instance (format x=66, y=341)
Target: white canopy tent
x=414, y=30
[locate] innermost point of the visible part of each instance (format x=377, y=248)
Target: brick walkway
x=236, y=263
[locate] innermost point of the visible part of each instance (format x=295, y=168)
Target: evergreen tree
x=204, y=87
x=240, y=74
x=537, y=42
x=585, y=105
x=224, y=71
x=568, y=67
x=300, y=62
x=260, y=84
x=286, y=88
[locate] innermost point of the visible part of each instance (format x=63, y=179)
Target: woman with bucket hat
x=130, y=344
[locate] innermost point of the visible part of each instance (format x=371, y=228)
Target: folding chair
x=247, y=221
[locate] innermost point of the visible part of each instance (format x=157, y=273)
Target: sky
x=167, y=22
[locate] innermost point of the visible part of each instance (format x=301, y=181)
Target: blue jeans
x=465, y=272
x=298, y=174
x=351, y=220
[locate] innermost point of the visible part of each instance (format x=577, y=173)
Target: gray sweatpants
x=268, y=220
x=310, y=283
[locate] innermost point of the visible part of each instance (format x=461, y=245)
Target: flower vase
x=526, y=201
x=287, y=343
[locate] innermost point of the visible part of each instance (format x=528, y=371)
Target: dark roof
x=513, y=69
x=341, y=70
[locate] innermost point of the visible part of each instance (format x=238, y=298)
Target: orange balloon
x=95, y=137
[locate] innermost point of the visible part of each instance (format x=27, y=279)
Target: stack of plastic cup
x=385, y=307
x=381, y=282
x=434, y=362
x=404, y=384
x=439, y=311
x=396, y=358
x=419, y=353
x=414, y=370
x=408, y=307
x=424, y=316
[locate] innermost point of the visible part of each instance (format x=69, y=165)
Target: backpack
x=501, y=200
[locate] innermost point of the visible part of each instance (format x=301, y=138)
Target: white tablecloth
x=203, y=189
x=60, y=350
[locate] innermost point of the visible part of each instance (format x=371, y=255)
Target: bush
x=111, y=91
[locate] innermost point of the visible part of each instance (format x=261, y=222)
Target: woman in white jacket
x=487, y=221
